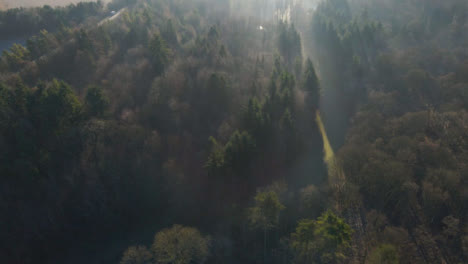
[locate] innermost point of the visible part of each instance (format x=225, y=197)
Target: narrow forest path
x=336, y=176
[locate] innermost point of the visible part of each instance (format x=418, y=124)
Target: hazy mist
x=234, y=131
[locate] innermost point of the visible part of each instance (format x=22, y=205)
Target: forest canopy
x=223, y=131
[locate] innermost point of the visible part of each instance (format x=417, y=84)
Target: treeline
x=28, y=21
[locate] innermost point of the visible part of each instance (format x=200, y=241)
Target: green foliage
x=265, y=214
x=290, y=136
x=25, y=21
x=236, y=156
x=321, y=241
x=58, y=106
x=286, y=90
x=289, y=43
x=216, y=160
x=159, y=53
x=257, y=122
x=96, y=102
x=333, y=231
x=280, y=97
x=240, y=151
x=180, y=245
x=41, y=44
x=311, y=86
x=16, y=57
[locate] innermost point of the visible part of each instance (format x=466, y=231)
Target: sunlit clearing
x=327, y=149
x=336, y=175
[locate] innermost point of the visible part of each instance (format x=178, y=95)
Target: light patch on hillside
x=336, y=176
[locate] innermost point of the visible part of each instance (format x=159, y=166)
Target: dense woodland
x=183, y=132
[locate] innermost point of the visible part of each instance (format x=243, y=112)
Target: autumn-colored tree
x=137, y=255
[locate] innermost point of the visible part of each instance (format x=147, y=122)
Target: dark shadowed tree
x=159, y=53
x=257, y=122
x=96, y=102
x=265, y=214
x=311, y=86
x=240, y=150
x=59, y=106
x=170, y=34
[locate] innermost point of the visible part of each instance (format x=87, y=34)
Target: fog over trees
x=5, y=4
x=234, y=131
